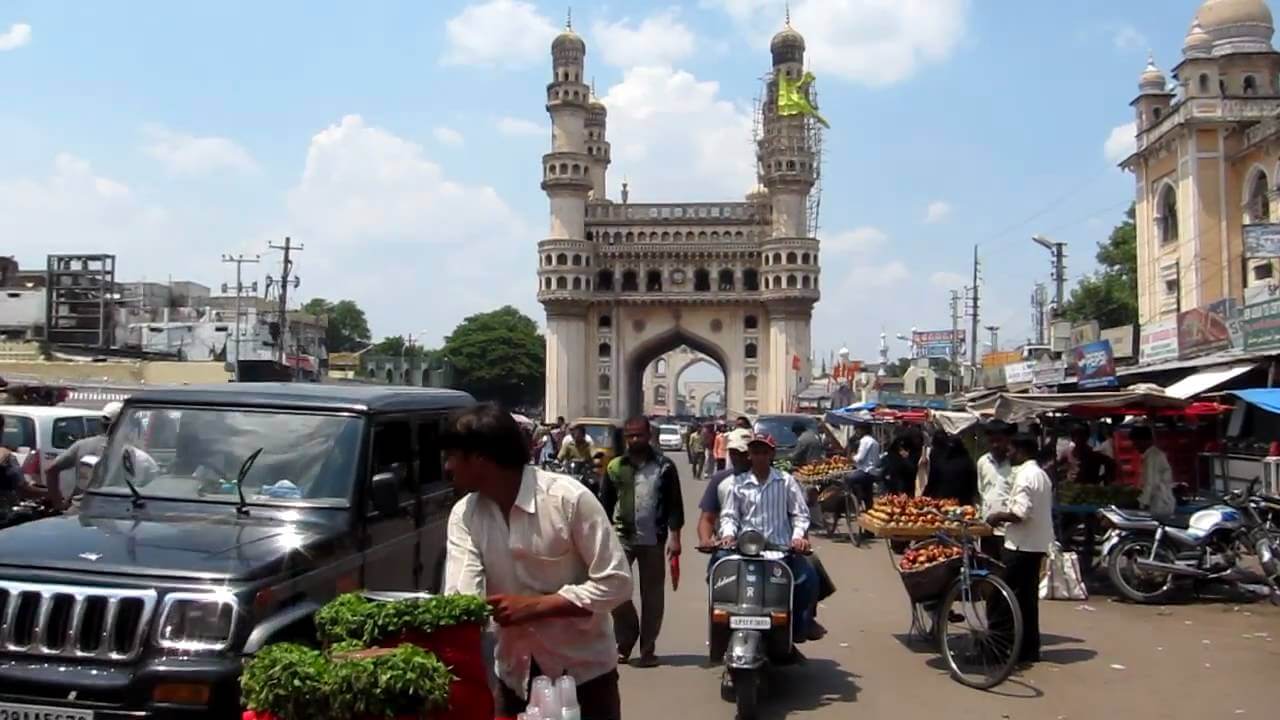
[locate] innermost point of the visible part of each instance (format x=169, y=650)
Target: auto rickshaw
x=605, y=434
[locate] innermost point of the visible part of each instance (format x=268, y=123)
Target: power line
x=239, y=260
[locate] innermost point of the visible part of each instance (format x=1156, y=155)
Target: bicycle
x=836, y=502
x=984, y=609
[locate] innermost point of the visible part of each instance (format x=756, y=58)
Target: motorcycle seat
x=1141, y=516
x=1184, y=537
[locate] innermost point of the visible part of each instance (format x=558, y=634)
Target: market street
x=1102, y=659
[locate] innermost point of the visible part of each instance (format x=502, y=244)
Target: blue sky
x=400, y=141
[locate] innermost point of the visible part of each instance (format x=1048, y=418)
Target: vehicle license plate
x=750, y=622
x=14, y=711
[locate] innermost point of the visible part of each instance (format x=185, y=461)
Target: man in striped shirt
x=770, y=501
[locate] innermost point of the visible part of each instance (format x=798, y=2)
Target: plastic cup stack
x=545, y=697
x=568, y=689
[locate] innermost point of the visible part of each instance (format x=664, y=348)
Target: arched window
x=666, y=237
x=791, y=258
x=562, y=283
x=548, y=260
x=702, y=236
x=372, y=373
x=777, y=258
x=604, y=382
x=577, y=169
x=750, y=280
x=1167, y=214
x=1203, y=82
x=629, y=281
x=605, y=321
x=922, y=387
x=804, y=258
x=631, y=237
x=750, y=351
x=1250, y=85
x=791, y=281
x=590, y=236
x=701, y=280
x=577, y=282
x=562, y=259
x=653, y=281
x=426, y=377
x=767, y=258
x=391, y=377
x=1222, y=86
x=577, y=260
x=715, y=236
x=604, y=280
x=617, y=237
x=751, y=322
x=548, y=283
x=679, y=237
x=1157, y=112
x=642, y=237
x=749, y=384
x=804, y=281
x=564, y=168
x=660, y=395
x=660, y=367
x=1257, y=208
x=738, y=237
x=605, y=351
x=726, y=280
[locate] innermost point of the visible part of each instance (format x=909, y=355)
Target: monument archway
x=654, y=348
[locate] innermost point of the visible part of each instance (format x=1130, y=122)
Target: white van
x=38, y=434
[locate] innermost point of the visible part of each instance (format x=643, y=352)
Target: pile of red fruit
x=923, y=557
x=904, y=511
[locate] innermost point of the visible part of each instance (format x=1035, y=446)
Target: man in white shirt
x=866, y=462
x=1028, y=513
x=1157, y=474
x=540, y=547
x=995, y=478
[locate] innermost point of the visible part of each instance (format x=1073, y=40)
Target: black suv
x=218, y=519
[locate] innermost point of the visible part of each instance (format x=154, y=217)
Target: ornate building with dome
x=624, y=283
x=1207, y=162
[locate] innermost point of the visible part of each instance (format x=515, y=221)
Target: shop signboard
x=1158, y=342
x=937, y=343
x=1262, y=240
x=1121, y=339
x=1208, y=328
x=1049, y=371
x=992, y=376
x=1260, y=325
x=1019, y=372
x=1084, y=333
x=1002, y=358
x=1095, y=366
x=906, y=400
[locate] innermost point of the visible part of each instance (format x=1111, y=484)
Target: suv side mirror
x=385, y=492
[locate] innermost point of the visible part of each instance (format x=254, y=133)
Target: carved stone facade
x=624, y=283
x=1207, y=162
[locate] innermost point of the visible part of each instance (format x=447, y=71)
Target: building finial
x=568, y=19
x=788, y=5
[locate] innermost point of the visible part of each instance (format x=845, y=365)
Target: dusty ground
x=1102, y=658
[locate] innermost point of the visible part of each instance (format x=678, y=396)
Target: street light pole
x=1059, y=267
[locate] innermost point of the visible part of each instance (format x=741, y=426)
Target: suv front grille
x=74, y=622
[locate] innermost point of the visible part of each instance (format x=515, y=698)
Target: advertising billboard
x=936, y=343
x=1208, y=328
x=1260, y=324
x=1158, y=342
x=1262, y=240
x=1095, y=366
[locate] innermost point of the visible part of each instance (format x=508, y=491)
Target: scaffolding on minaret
x=803, y=135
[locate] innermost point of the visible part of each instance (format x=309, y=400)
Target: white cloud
x=1127, y=37
x=660, y=39
x=502, y=33
x=871, y=42
x=1121, y=143
x=884, y=275
x=366, y=196
x=937, y=211
x=862, y=239
x=184, y=154
x=16, y=36
x=947, y=280
x=676, y=138
x=519, y=127
x=448, y=136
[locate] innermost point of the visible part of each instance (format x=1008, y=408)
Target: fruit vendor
x=995, y=478
x=540, y=547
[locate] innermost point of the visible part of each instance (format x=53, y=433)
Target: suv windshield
x=196, y=454
x=779, y=426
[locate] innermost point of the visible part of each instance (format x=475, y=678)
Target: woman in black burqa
x=952, y=472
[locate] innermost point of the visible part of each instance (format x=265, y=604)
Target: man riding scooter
x=771, y=502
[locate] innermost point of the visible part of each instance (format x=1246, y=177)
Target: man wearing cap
x=771, y=501
x=91, y=446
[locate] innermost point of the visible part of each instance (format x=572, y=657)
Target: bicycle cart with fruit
x=830, y=502
x=958, y=599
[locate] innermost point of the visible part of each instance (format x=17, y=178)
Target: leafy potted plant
x=402, y=682
x=287, y=682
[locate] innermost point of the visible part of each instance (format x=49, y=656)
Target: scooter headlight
x=751, y=542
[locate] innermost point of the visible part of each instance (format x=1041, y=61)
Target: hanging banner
x=1260, y=325
x=936, y=343
x=1262, y=240
x=1084, y=333
x=1019, y=372
x=1158, y=342
x=1208, y=328
x=1001, y=358
x=1121, y=339
x=1095, y=366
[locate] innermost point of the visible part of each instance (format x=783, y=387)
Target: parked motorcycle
x=1147, y=558
x=25, y=511
x=749, y=596
x=580, y=470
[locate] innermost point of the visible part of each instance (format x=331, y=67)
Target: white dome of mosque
x=1198, y=43
x=1237, y=26
x=1152, y=80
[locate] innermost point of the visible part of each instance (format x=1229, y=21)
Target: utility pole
x=286, y=273
x=975, y=310
x=955, y=336
x=1039, y=299
x=1058, y=249
x=239, y=260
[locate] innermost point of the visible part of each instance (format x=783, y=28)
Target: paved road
x=1102, y=659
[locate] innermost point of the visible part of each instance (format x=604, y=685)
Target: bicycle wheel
x=852, y=509
x=980, y=631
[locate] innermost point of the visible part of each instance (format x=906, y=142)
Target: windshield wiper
x=243, y=507
x=127, y=462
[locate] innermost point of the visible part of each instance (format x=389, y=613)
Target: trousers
x=598, y=698
x=1022, y=572
x=651, y=572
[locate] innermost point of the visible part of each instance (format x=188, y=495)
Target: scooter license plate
x=750, y=622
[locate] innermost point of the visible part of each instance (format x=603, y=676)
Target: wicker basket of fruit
x=929, y=567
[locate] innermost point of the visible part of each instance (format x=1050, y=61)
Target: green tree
x=348, y=328
x=1110, y=295
x=396, y=345
x=497, y=356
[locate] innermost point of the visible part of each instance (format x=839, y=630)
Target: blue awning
x=1266, y=398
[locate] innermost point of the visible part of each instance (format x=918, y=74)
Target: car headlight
x=197, y=621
